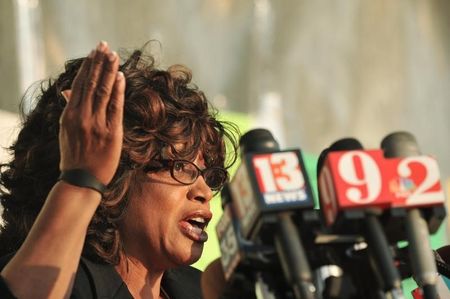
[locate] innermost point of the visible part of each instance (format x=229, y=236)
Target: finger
x=66, y=94
x=78, y=82
x=93, y=78
x=115, y=107
x=104, y=90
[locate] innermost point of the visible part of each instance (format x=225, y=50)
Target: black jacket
x=101, y=281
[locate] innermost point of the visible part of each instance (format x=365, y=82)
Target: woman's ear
x=66, y=94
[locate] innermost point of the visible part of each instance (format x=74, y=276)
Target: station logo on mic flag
x=280, y=177
x=228, y=242
x=269, y=182
x=414, y=181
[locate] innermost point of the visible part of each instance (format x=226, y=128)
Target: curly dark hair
x=163, y=109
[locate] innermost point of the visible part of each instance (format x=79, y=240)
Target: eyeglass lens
x=186, y=172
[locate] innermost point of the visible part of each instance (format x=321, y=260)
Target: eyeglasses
x=186, y=173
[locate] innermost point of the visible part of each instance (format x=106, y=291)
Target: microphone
x=413, y=183
x=267, y=181
x=352, y=195
x=229, y=234
x=242, y=261
x=404, y=145
x=270, y=186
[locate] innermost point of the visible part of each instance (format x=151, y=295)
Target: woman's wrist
x=77, y=192
x=74, y=203
x=82, y=178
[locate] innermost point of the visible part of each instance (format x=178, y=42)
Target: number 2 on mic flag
x=414, y=181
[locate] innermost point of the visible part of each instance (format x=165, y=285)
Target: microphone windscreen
x=400, y=144
x=344, y=144
x=258, y=140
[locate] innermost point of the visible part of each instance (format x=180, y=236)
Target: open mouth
x=198, y=222
x=194, y=228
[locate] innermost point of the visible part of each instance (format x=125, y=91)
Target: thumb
x=66, y=94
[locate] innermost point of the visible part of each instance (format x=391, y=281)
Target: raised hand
x=90, y=138
x=91, y=129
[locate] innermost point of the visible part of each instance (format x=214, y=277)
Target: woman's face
x=164, y=223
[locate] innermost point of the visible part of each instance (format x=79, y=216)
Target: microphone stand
x=293, y=258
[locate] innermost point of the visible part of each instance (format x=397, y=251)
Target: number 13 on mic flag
x=270, y=182
x=281, y=178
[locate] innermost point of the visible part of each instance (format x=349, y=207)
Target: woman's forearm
x=46, y=263
x=90, y=139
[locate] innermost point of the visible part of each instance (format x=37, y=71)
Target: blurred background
x=310, y=71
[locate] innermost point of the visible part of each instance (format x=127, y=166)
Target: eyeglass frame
x=170, y=163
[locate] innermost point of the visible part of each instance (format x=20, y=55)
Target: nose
x=200, y=191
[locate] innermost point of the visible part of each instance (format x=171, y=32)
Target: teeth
x=198, y=219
